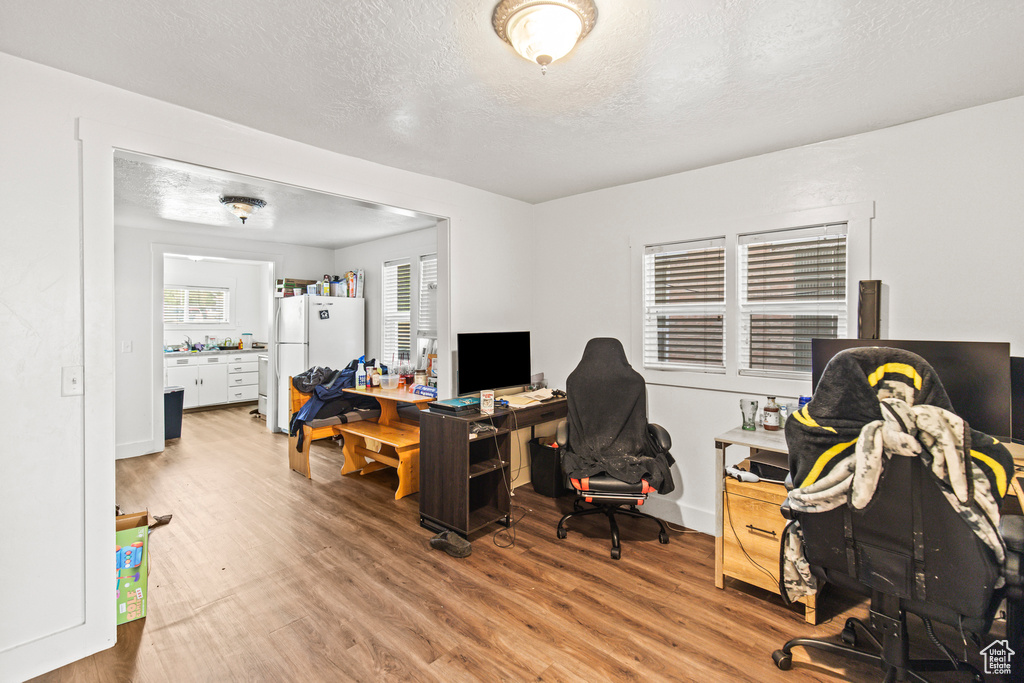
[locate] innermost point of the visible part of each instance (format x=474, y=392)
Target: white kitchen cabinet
x=213, y=384
x=186, y=376
x=213, y=379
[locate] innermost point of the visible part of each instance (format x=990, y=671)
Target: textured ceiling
x=659, y=86
x=158, y=194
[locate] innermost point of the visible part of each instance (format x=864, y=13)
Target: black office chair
x=911, y=547
x=613, y=457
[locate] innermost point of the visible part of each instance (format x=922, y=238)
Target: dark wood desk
x=465, y=477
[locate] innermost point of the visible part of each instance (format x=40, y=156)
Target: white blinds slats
x=426, y=312
x=684, y=306
x=192, y=305
x=397, y=302
x=792, y=289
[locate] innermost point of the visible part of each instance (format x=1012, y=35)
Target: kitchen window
x=792, y=289
x=196, y=305
x=684, y=306
x=397, y=305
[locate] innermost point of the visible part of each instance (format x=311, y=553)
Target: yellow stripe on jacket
x=896, y=369
x=996, y=468
x=804, y=418
x=823, y=460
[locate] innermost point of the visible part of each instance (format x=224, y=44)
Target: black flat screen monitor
x=492, y=360
x=976, y=375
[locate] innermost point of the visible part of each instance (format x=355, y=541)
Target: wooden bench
x=298, y=458
x=399, y=439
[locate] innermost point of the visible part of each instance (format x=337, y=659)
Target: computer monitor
x=976, y=375
x=492, y=360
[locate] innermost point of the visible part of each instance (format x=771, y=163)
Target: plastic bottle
x=361, y=374
x=771, y=415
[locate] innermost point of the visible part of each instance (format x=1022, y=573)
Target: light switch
x=126, y=347
x=72, y=380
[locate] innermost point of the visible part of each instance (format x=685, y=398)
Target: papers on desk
x=528, y=398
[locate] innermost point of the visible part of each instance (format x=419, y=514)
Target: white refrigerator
x=315, y=330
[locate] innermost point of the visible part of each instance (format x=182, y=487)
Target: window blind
x=792, y=289
x=397, y=303
x=426, y=312
x=196, y=305
x=684, y=306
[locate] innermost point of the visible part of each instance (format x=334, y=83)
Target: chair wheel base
x=662, y=537
x=849, y=636
x=782, y=660
x=562, y=533
x=616, y=553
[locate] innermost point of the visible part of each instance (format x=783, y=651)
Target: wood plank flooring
x=264, y=575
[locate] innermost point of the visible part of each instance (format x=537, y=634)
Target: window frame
x=684, y=309
x=791, y=306
x=858, y=218
x=186, y=322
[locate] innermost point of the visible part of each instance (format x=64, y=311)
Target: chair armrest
x=660, y=436
x=1011, y=528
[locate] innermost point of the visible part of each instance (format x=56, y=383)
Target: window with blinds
x=397, y=304
x=684, y=306
x=792, y=290
x=196, y=305
x=426, y=312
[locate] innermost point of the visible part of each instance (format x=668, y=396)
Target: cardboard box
x=132, y=565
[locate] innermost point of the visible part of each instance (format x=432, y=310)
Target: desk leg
x=810, y=609
x=719, y=487
x=719, y=516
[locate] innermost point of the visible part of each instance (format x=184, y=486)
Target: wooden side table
x=748, y=522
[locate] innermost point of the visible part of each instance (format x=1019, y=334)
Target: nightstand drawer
x=752, y=537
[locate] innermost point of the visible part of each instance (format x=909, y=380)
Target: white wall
x=946, y=238
x=246, y=288
x=370, y=256
x=58, y=133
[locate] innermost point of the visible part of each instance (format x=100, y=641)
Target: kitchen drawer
x=247, y=393
x=243, y=379
x=179, y=361
x=234, y=367
x=241, y=357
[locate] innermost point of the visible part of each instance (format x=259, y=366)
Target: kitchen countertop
x=220, y=352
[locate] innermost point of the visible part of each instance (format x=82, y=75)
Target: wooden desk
x=467, y=476
x=399, y=439
x=748, y=529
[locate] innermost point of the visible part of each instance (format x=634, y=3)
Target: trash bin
x=546, y=468
x=174, y=399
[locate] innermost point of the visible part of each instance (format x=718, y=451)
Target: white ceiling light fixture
x=544, y=30
x=243, y=207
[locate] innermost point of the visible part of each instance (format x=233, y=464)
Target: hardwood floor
x=265, y=575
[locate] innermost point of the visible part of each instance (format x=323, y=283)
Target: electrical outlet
x=72, y=380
